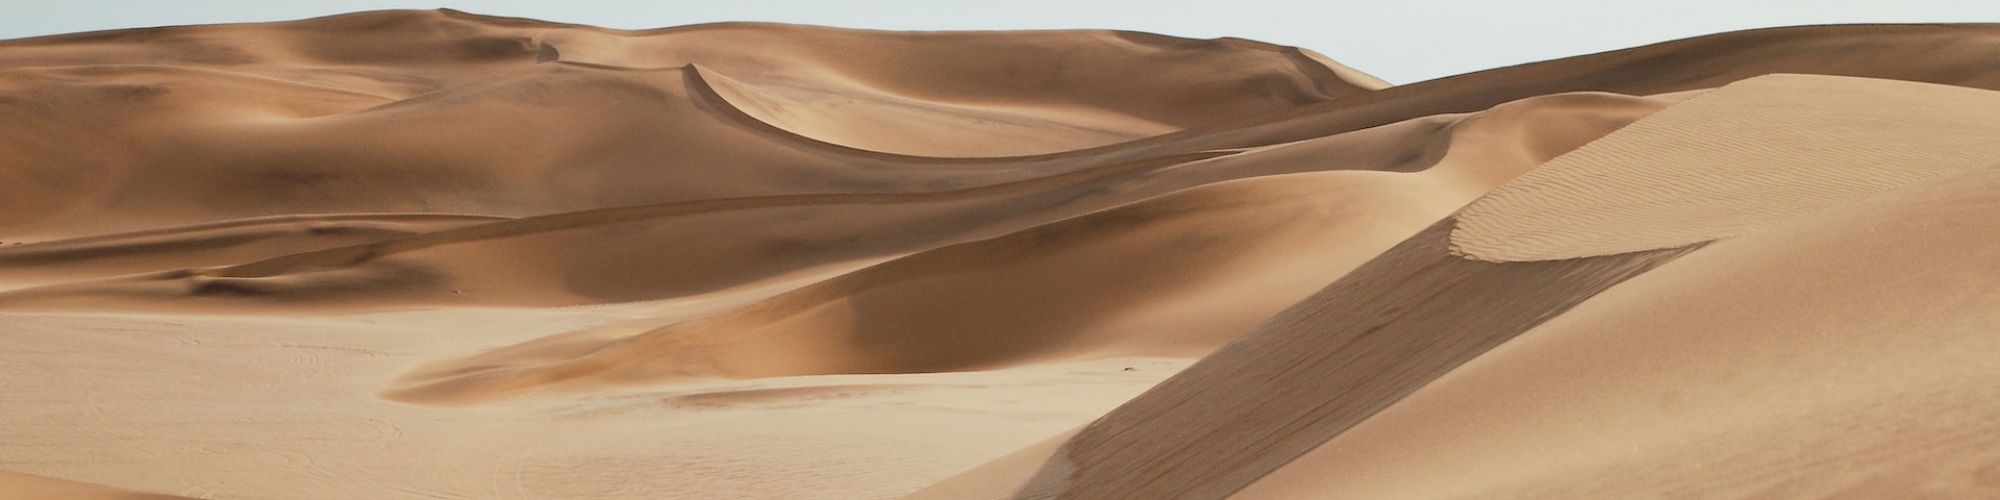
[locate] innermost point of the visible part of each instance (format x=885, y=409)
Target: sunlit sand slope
x=435, y=254
x=1342, y=396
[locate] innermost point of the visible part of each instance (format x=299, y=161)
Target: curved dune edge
x=428, y=60
x=1410, y=318
x=1843, y=354
x=1088, y=286
x=458, y=78
x=1243, y=249
x=904, y=127
x=1342, y=73
x=18, y=486
x=609, y=255
x=1753, y=153
x=641, y=253
x=444, y=112
x=885, y=257
x=1695, y=63
x=1380, y=333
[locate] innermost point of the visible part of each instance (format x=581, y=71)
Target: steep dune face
x=396, y=254
x=1844, y=354
x=1317, y=389
x=1956, y=54
x=465, y=132
x=1087, y=286
x=444, y=112
x=683, y=249
x=1373, y=337
x=1091, y=285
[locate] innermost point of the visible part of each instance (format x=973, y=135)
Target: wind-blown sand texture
x=433, y=254
x=1730, y=162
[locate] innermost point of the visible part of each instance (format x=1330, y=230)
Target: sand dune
x=1958, y=54
x=17, y=486
x=1088, y=286
x=1311, y=373
x=456, y=113
x=217, y=243
x=644, y=252
x=1778, y=146
x=1843, y=354
x=1785, y=148
x=434, y=254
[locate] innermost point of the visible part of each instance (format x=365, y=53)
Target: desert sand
x=435, y=254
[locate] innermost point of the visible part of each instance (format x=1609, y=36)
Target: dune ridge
x=313, y=107
x=439, y=254
x=1290, y=390
x=1373, y=337
x=1827, y=392
x=1805, y=149
x=941, y=309
x=1460, y=156
x=1095, y=314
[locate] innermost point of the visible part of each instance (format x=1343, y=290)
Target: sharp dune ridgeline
x=436, y=254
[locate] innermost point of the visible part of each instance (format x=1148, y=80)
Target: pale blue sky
x=1399, y=40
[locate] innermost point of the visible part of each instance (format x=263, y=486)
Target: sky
x=1401, y=41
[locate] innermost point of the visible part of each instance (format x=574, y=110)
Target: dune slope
x=435, y=254
x=1509, y=261
x=1843, y=354
x=1086, y=286
x=1779, y=146
x=1375, y=336
x=679, y=249
x=18, y=486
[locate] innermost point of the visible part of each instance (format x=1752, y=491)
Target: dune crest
x=642, y=252
x=1755, y=153
x=436, y=254
x=1815, y=395
x=1265, y=415
x=444, y=112
x=1375, y=336
x=1244, y=249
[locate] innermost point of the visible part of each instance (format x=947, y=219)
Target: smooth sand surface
x=1845, y=354
x=1334, y=398
x=18, y=486
x=434, y=254
x=1755, y=153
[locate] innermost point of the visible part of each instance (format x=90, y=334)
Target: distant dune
x=434, y=254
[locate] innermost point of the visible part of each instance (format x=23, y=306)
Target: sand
x=1245, y=421
x=18, y=486
x=435, y=254
x=1753, y=153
